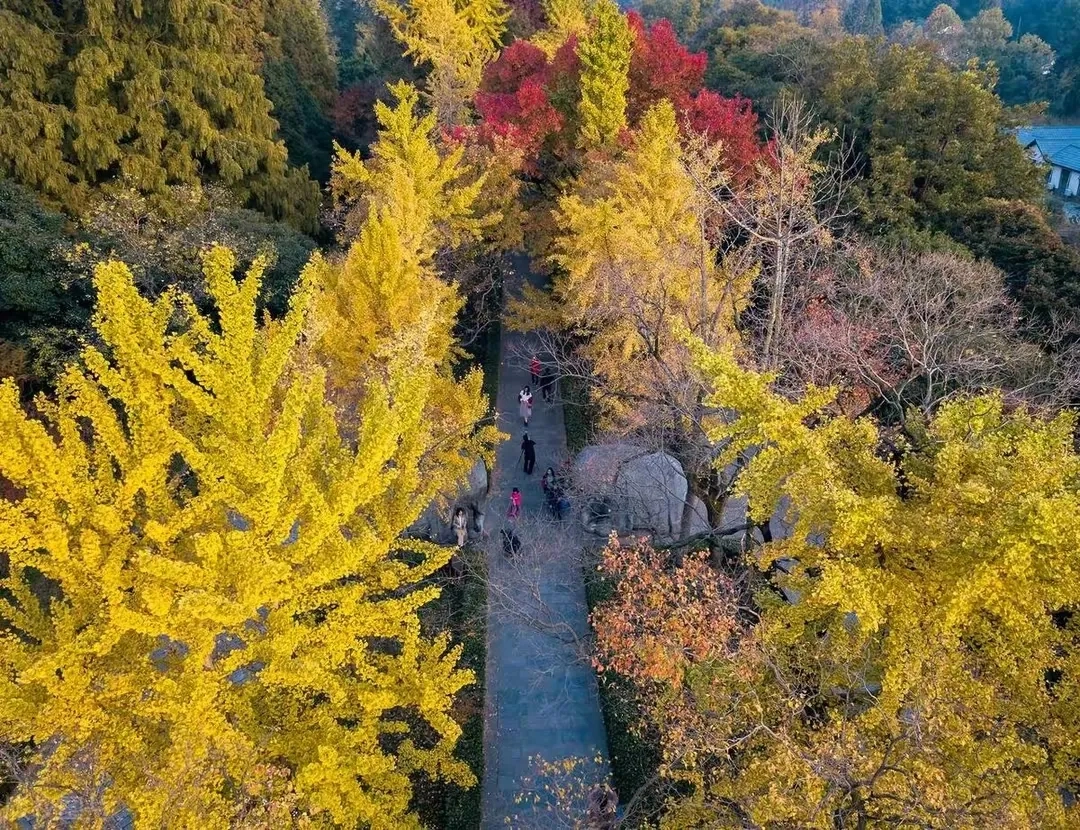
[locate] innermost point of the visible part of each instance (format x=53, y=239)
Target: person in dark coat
x=528, y=449
x=511, y=544
x=547, y=384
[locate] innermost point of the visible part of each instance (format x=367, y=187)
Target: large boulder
x=472, y=494
x=633, y=489
x=630, y=489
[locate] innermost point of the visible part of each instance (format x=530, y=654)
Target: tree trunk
x=776, y=301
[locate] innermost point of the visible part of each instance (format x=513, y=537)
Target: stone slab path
x=541, y=691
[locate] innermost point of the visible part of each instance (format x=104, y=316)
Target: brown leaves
x=665, y=615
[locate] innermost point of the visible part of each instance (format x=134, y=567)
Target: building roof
x=1059, y=146
x=1067, y=157
x=1066, y=135
x=1049, y=146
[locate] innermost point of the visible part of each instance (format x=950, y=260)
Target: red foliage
x=526, y=117
x=565, y=67
x=525, y=99
x=516, y=63
x=661, y=67
x=663, y=617
x=732, y=122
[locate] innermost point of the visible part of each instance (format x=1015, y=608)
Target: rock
x=699, y=517
x=630, y=489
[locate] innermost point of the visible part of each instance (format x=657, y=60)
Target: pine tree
x=863, y=17
x=605, y=58
x=154, y=94
x=299, y=70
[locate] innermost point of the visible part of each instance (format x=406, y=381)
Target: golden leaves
x=198, y=555
x=912, y=660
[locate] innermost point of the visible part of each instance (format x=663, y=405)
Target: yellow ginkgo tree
x=206, y=586
x=455, y=39
x=922, y=667
x=428, y=191
x=636, y=268
x=385, y=296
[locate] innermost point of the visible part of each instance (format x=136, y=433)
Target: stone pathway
x=541, y=691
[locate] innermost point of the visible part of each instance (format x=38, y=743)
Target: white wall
x=1055, y=178
x=1073, y=186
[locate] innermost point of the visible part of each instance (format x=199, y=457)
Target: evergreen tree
x=45, y=290
x=154, y=94
x=300, y=73
x=863, y=17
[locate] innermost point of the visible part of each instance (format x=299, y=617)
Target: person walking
x=525, y=402
x=547, y=384
x=528, y=449
x=514, y=510
x=551, y=490
x=461, y=526
x=534, y=370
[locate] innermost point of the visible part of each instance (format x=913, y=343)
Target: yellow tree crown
x=205, y=579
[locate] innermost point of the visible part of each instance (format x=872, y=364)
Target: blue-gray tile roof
x=1068, y=157
x=1058, y=145
x=1066, y=135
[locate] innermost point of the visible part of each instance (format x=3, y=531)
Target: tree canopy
x=926, y=664
x=179, y=609
x=150, y=95
x=792, y=253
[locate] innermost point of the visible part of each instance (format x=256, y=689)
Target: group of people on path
x=554, y=493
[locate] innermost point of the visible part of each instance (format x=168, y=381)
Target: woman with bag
x=525, y=402
x=461, y=526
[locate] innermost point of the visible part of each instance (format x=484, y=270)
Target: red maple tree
x=660, y=67
x=525, y=98
x=733, y=123
x=531, y=101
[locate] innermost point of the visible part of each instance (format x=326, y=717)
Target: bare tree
x=789, y=210
x=913, y=330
